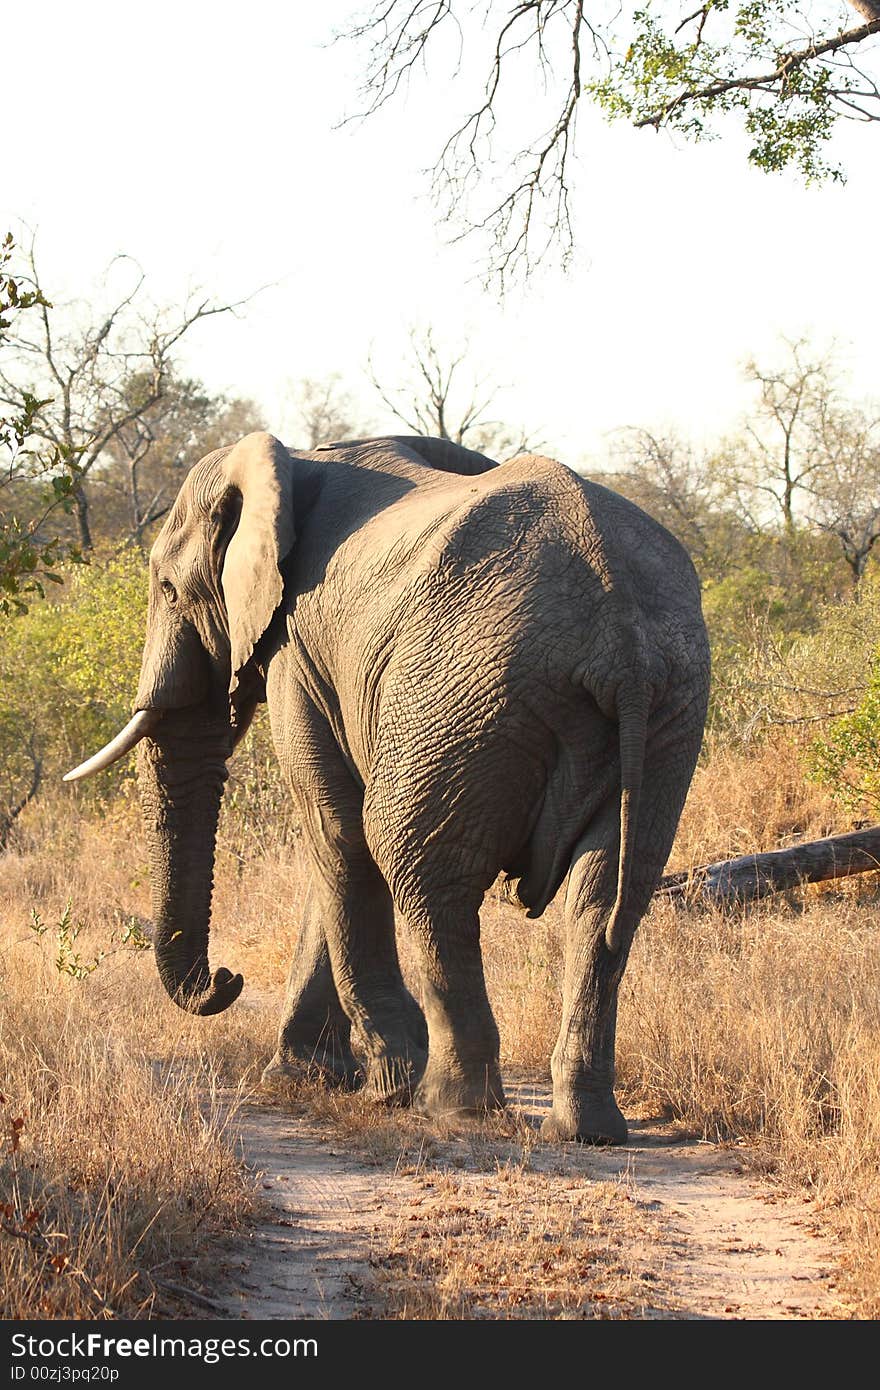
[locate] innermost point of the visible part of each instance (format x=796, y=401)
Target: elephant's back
x=534, y=512
x=479, y=602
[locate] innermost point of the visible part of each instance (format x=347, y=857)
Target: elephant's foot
x=397, y=1054
x=329, y=1067
x=392, y=1079
x=444, y=1093
x=588, y=1118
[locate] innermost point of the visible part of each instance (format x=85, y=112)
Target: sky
x=203, y=140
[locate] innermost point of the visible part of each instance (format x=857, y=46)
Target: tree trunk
x=753, y=876
x=82, y=517
x=868, y=9
x=9, y=816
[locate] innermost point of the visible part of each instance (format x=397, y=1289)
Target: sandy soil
x=709, y=1242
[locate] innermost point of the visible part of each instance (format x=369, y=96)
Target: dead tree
x=83, y=375
x=10, y=815
x=752, y=876
x=441, y=397
x=325, y=412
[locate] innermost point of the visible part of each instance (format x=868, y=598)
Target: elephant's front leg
x=358, y=917
x=315, y=1033
x=350, y=911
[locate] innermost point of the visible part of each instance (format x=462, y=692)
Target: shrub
x=68, y=676
x=847, y=758
x=68, y=670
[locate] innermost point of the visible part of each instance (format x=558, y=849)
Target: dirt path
x=732, y=1249
x=704, y=1241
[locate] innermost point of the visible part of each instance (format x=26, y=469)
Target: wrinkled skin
x=471, y=670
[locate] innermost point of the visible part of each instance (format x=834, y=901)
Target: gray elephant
x=471, y=669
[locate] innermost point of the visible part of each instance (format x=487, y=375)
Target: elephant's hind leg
x=463, y=1076
x=582, y=1065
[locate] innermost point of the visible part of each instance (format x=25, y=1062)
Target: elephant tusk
x=137, y=728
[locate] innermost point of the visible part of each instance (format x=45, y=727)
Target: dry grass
x=521, y=1245
x=118, y=1163
x=743, y=800
x=763, y=1027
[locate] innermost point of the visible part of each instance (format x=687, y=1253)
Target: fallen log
x=755, y=876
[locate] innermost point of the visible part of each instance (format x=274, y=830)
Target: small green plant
x=134, y=936
x=847, y=758
x=68, y=960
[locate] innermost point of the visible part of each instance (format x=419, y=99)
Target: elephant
x=473, y=671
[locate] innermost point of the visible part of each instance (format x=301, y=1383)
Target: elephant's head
x=215, y=584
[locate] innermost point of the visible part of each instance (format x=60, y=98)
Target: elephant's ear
x=260, y=469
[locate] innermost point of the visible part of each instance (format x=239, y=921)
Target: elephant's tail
x=632, y=714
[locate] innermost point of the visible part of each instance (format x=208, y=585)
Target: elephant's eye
x=169, y=591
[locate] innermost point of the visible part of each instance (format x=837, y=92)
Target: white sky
x=198, y=138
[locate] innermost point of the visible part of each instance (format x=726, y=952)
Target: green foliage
x=68, y=676
x=99, y=634
x=760, y=608
x=794, y=131
x=783, y=579
x=686, y=70
x=847, y=759
x=846, y=756
x=821, y=684
x=68, y=670
x=731, y=604
x=12, y=297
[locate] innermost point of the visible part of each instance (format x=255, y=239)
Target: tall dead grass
x=118, y=1161
x=111, y=1173
x=748, y=799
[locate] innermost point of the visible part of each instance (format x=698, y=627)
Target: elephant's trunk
x=180, y=799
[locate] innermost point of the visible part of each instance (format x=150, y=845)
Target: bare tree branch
x=766, y=62
x=88, y=375
x=325, y=411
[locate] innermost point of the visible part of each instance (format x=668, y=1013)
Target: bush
x=847, y=759
x=765, y=676
x=68, y=676
x=68, y=670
